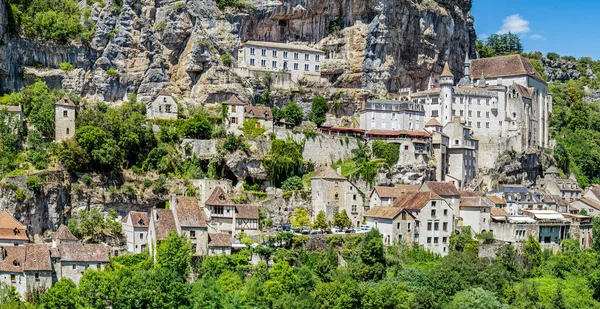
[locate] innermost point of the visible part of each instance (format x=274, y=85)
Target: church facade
x=502, y=99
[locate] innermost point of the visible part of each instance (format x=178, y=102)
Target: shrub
x=160, y=25
x=390, y=152
x=147, y=183
x=252, y=128
x=226, y=59
x=87, y=180
x=320, y=107
x=128, y=189
x=159, y=185
x=34, y=184
x=66, y=66
x=292, y=183
x=112, y=72
x=20, y=195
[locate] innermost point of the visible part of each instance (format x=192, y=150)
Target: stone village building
x=553, y=184
x=385, y=195
x=333, y=193
x=420, y=217
x=12, y=232
x=135, y=228
x=225, y=216
x=64, y=119
x=289, y=64
x=71, y=260
x=26, y=267
x=377, y=114
x=162, y=106
x=504, y=100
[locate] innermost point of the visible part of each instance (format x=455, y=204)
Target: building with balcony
x=503, y=99
x=288, y=63
x=392, y=115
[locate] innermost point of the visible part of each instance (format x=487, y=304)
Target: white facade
x=435, y=225
x=332, y=193
x=391, y=115
x=163, y=106
x=475, y=212
x=135, y=228
x=301, y=62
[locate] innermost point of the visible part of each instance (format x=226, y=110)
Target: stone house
x=462, y=150
x=446, y=190
x=553, y=226
x=581, y=229
x=592, y=192
x=518, y=199
x=63, y=236
x=288, y=63
x=162, y=106
x=64, y=119
x=135, y=228
x=262, y=114
x=235, y=114
x=553, y=184
x=434, y=219
x=475, y=212
x=219, y=244
x=395, y=224
x=75, y=258
x=377, y=114
x=162, y=222
x=191, y=221
x=26, y=267
x=225, y=216
x=512, y=228
x=386, y=195
x=332, y=193
x=439, y=144
x=590, y=205
x=12, y=232
x=415, y=145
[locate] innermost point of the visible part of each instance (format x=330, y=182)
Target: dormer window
x=221, y=197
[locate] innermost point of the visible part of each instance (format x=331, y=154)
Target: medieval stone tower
x=64, y=119
x=446, y=94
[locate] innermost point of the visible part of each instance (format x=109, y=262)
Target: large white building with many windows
x=296, y=61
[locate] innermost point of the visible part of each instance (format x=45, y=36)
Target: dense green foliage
x=283, y=161
x=291, y=113
x=390, y=152
x=499, y=44
x=252, y=128
x=292, y=183
x=50, y=20
x=94, y=225
x=319, y=110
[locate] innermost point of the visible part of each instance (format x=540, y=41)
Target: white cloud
x=536, y=36
x=514, y=24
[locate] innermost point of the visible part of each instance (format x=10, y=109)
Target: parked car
x=286, y=228
x=305, y=230
x=317, y=232
x=365, y=229
x=337, y=231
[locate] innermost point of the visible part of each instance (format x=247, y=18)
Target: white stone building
x=162, y=222
x=475, y=212
x=462, y=152
x=553, y=184
x=385, y=195
x=395, y=224
x=225, y=216
x=26, y=267
x=191, y=221
x=332, y=193
x=74, y=259
x=162, y=106
x=64, y=119
x=378, y=114
x=219, y=244
x=262, y=114
x=235, y=114
x=63, y=236
x=135, y=228
x=285, y=61
x=447, y=190
x=504, y=100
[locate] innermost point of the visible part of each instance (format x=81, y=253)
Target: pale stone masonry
x=553, y=184
x=74, y=259
x=462, y=152
x=26, y=267
x=503, y=99
x=135, y=228
x=162, y=106
x=64, y=119
x=378, y=114
x=332, y=193
x=281, y=59
x=225, y=216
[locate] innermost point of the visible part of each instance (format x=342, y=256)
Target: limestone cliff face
x=378, y=45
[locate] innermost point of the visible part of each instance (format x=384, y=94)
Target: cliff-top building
x=503, y=99
x=284, y=60
x=64, y=119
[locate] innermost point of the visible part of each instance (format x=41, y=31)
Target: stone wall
x=202, y=149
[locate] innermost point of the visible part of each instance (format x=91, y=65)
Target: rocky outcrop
x=376, y=45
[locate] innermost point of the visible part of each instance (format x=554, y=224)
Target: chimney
x=339, y=170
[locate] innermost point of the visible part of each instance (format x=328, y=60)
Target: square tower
x=64, y=119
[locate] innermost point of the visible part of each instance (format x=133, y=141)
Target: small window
x=274, y=54
x=263, y=52
x=433, y=203
x=307, y=57
x=429, y=226
x=428, y=240
x=13, y=278
x=141, y=235
x=487, y=125
x=251, y=50
x=296, y=55
x=306, y=67
x=403, y=215
x=397, y=225
x=445, y=226
x=445, y=212
x=405, y=147
x=74, y=266
x=295, y=66
x=68, y=130
x=99, y=266
x=354, y=209
x=263, y=63
x=444, y=240
x=433, y=212
x=317, y=58
x=233, y=108
x=337, y=196
x=168, y=108
x=409, y=226
x=274, y=64
x=436, y=226
x=317, y=68
x=285, y=54
x=65, y=114
x=251, y=61
x=435, y=240
x=354, y=197
x=193, y=234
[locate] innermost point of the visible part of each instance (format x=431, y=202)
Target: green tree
x=103, y=151
x=300, y=218
x=596, y=229
x=95, y=287
x=319, y=110
x=292, y=113
x=390, y=152
x=320, y=221
x=475, y=298
x=532, y=255
x=292, y=183
x=199, y=127
x=72, y=156
x=63, y=294
x=283, y=161
x=175, y=255
x=9, y=295
x=341, y=219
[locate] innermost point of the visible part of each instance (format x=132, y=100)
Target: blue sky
x=567, y=27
